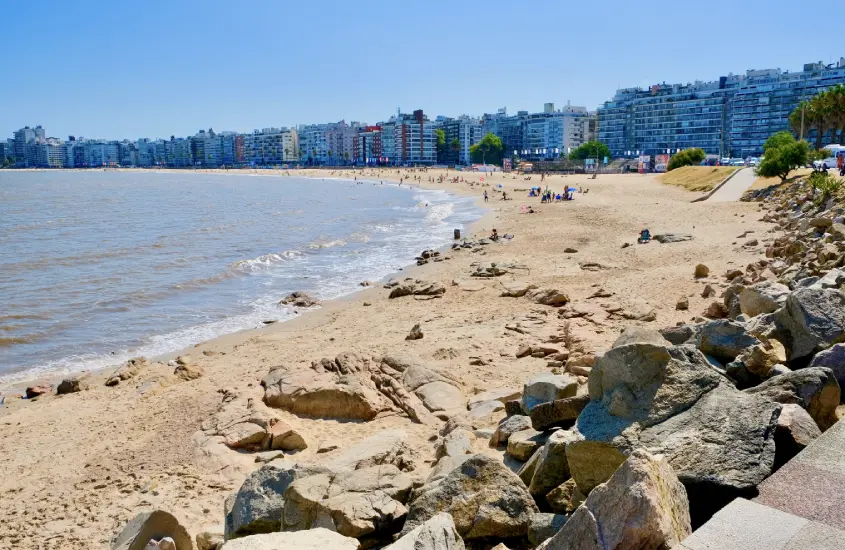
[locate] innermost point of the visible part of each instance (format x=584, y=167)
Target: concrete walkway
x=736, y=187
x=800, y=507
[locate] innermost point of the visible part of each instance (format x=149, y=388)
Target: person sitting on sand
x=494, y=236
x=530, y=210
x=645, y=236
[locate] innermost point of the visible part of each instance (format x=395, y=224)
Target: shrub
x=687, y=157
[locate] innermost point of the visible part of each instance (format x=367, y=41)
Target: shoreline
x=77, y=467
x=19, y=383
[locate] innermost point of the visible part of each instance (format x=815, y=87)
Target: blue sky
x=155, y=68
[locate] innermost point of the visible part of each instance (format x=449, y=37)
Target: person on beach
x=486, y=198
x=494, y=236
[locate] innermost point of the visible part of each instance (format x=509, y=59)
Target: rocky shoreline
x=547, y=396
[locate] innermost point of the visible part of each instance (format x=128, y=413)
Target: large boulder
x=321, y=394
x=314, y=539
x=763, y=297
x=258, y=504
x=485, y=499
x=832, y=358
x=547, y=387
x=724, y=339
x=671, y=401
x=643, y=505
x=154, y=526
x=811, y=320
x=364, y=503
x=814, y=389
x=438, y=533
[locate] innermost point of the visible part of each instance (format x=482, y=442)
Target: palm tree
x=346, y=156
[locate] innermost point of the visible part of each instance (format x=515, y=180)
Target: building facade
x=732, y=116
x=269, y=146
x=409, y=139
x=461, y=134
x=367, y=147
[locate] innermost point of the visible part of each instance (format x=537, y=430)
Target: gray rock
x=724, y=339
x=384, y=447
x=565, y=498
x=811, y=320
x=832, y=358
x=438, y=533
x=258, y=504
x=814, y=389
x=509, y=426
x=544, y=527
x=551, y=467
x=670, y=401
x=834, y=278
x=643, y=505
x=154, y=525
x=497, y=394
x=546, y=387
x=485, y=499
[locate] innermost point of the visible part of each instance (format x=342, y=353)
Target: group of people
x=550, y=196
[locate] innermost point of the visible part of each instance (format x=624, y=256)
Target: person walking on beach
x=485, y=196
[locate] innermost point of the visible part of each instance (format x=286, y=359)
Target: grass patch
x=697, y=178
x=763, y=183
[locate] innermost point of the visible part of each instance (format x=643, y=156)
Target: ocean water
x=97, y=267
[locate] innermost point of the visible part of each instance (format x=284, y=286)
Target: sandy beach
x=75, y=468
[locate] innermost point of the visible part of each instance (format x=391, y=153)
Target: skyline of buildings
x=731, y=116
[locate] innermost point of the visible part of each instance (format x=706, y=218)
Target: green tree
x=346, y=156
x=455, y=146
x=687, y=157
x=782, y=154
x=590, y=150
x=440, y=144
x=489, y=149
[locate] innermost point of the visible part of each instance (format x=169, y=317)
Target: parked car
x=753, y=161
x=737, y=162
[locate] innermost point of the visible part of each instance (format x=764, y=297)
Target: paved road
x=736, y=187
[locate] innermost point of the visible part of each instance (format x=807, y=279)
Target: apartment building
x=25, y=140
x=409, y=139
x=340, y=141
x=731, y=116
x=177, y=152
x=508, y=128
x=367, y=148
x=464, y=132
x=313, y=147
x=270, y=146
x=49, y=154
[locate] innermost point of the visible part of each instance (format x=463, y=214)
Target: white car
x=753, y=161
x=737, y=162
